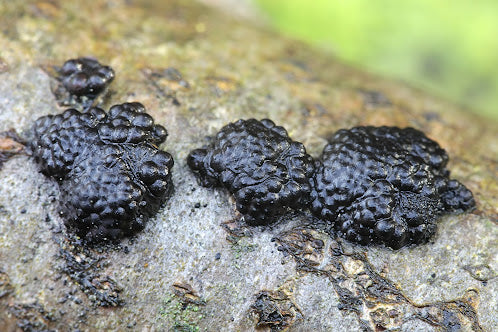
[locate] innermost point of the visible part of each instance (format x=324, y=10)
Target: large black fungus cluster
x=385, y=185
x=111, y=174
x=85, y=77
x=258, y=163
x=382, y=185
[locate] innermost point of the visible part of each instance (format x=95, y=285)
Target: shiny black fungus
x=385, y=185
x=85, y=77
x=111, y=174
x=266, y=171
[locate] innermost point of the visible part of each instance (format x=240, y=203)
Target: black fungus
x=385, y=185
x=111, y=174
x=266, y=171
x=373, y=185
x=85, y=77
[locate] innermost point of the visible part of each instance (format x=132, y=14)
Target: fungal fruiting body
x=385, y=185
x=380, y=185
x=85, y=77
x=111, y=174
x=266, y=171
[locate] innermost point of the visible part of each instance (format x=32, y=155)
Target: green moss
x=179, y=316
x=241, y=247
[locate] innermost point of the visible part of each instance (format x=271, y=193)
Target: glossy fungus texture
x=111, y=174
x=385, y=185
x=266, y=171
x=85, y=77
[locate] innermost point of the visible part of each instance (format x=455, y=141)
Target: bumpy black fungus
x=385, y=185
x=85, y=77
x=264, y=169
x=111, y=174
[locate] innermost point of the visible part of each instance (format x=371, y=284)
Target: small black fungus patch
x=85, y=77
x=275, y=310
x=32, y=317
x=84, y=267
x=385, y=185
x=258, y=163
x=111, y=174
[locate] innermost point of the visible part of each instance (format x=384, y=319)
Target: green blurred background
x=449, y=48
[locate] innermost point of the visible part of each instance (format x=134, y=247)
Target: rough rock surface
x=196, y=70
